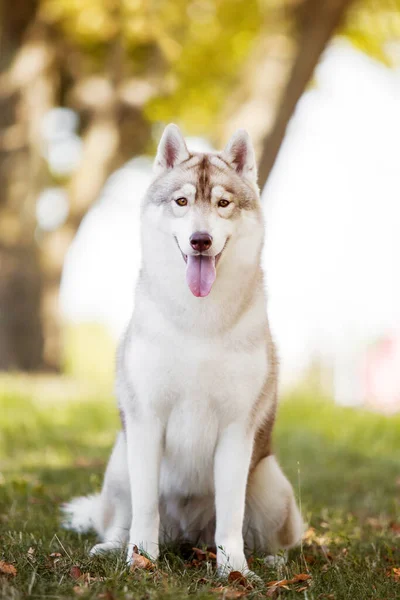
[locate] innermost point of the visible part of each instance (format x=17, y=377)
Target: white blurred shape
x=62, y=147
x=59, y=122
x=52, y=208
x=64, y=155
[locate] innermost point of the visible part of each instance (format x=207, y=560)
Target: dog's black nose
x=200, y=241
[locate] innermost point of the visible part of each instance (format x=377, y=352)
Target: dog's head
x=208, y=204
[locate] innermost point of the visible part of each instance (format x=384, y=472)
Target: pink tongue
x=200, y=274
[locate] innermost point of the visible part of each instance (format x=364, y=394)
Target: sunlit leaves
x=372, y=25
x=196, y=50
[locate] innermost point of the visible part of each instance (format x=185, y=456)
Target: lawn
x=55, y=436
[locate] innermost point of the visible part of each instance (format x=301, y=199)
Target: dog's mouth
x=200, y=271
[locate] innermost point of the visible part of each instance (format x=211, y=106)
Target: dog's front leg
x=231, y=468
x=144, y=447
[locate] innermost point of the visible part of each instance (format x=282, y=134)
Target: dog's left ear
x=171, y=151
x=239, y=153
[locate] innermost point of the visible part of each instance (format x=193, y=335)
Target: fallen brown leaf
x=140, y=562
x=75, y=572
x=395, y=527
x=202, y=555
x=286, y=582
x=300, y=577
x=7, y=569
x=203, y=581
x=239, y=579
x=395, y=573
x=309, y=558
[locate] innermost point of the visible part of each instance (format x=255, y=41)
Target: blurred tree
x=124, y=66
x=317, y=23
x=28, y=84
x=281, y=65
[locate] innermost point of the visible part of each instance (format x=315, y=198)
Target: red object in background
x=382, y=375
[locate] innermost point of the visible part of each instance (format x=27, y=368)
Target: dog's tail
x=82, y=514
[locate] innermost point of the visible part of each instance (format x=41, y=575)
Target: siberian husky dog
x=197, y=373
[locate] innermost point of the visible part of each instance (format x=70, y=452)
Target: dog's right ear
x=171, y=151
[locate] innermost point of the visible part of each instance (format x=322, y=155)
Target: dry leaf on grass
x=7, y=569
x=140, y=562
x=202, y=555
x=84, y=579
x=394, y=572
x=285, y=582
x=239, y=579
x=75, y=572
x=275, y=586
x=395, y=527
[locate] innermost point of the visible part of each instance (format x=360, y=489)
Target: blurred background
x=86, y=88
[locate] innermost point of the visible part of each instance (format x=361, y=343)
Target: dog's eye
x=181, y=202
x=223, y=203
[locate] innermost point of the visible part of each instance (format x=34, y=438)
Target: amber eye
x=223, y=203
x=181, y=202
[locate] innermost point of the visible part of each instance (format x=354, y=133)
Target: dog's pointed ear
x=239, y=153
x=171, y=151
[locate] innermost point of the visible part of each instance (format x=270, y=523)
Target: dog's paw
x=231, y=561
x=275, y=560
x=105, y=547
x=224, y=572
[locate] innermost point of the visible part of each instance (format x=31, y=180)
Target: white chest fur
x=196, y=386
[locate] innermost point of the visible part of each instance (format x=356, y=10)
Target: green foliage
x=372, y=26
x=194, y=51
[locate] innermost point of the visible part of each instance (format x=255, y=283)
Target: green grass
x=54, y=442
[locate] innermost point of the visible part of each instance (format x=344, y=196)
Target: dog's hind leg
x=115, y=501
x=272, y=521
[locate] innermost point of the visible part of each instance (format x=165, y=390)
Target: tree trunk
x=277, y=74
x=320, y=20
x=21, y=340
